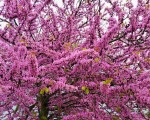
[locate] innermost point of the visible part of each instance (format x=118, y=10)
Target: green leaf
x=83, y=88
x=46, y=89
x=107, y=81
x=118, y=109
x=74, y=45
x=96, y=59
x=41, y=91
x=57, y=108
x=87, y=91
x=115, y=117
x=44, y=118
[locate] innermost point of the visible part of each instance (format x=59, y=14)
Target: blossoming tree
x=81, y=60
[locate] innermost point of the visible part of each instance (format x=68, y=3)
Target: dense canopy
x=75, y=60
